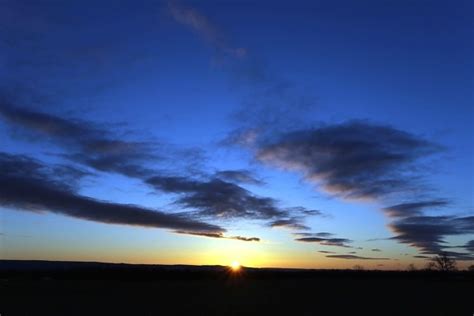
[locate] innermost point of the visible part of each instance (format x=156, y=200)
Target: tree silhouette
x=444, y=263
x=411, y=267
x=358, y=267
x=430, y=266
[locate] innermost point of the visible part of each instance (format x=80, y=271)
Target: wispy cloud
x=84, y=142
x=339, y=242
x=205, y=28
x=29, y=185
x=413, y=208
x=353, y=257
x=216, y=198
x=428, y=233
x=239, y=176
x=355, y=159
x=291, y=223
x=218, y=235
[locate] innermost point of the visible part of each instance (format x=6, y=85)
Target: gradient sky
x=318, y=134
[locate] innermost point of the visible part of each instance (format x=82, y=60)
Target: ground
x=321, y=296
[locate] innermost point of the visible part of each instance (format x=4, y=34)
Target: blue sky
x=310, y=126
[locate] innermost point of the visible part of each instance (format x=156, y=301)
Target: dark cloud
x=428, y=233
x=355, y=159
x=376, y=250
x=245, y=238
x=320, y=234
x=303, y=234
x=351, y=257
x=239, y=176
x=312, y=212
x=339, y=242
x=421, y=257
x=217, y=198
x=377, y=239
x=323, y=234
x=413, y=208
x=325, y=251
x=221, y=199
x=28, y=185
x=85, y=142
x=292, y=223
x=217, y=235
x=95, y=147
x=469, y=246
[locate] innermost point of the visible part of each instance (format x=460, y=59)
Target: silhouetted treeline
x=45, y=270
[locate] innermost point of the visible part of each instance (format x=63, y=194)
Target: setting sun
x=235, y=265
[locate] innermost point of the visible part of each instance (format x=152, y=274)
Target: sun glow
x=235, y=265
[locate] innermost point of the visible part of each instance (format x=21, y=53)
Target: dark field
x=39, y=288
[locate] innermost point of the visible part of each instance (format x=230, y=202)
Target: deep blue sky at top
x=404, y=63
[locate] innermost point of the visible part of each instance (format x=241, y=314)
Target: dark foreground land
x=65, y=288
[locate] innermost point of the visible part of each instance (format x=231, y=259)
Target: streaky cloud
x=217, y=235
x=338, y=242
x=27, y=184
x=85, y=142
x=469, y=246
x=292, y=223
x=239, y=176
x=354, y=257
x=216, y=198
x=413, y=208
x=428, y=233
x=355, y=159
x=88, y=144
x=203, y=26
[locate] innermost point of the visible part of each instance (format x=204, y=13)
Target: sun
x=235, y=265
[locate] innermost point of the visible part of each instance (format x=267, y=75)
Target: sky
x=303, y=134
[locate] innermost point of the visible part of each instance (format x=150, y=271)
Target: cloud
x=352, y=257
x=28, y=185
x=86, y=142
x=245, y=238
x=217, y=198
x=339, y=242
x=376, y=250
x=325, y=251
x=311, y=212
x=292, y=223
x=428, y=233
x=469, y=246
x=203, y=26
x=320, y=234
x=214, y=196
x=239, y=176
x=355, y=159
x=217, y=235
x=421, y=257
x=323, y=234
x=413, y=208
x=96, y=146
